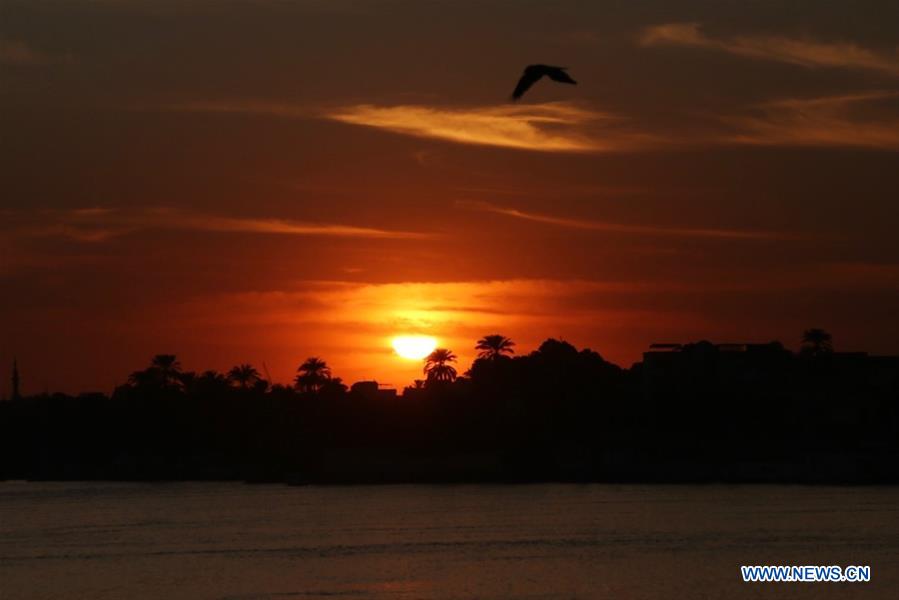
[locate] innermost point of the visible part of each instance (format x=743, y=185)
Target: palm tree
x=313, y=374
x=244, y=376
x=212, y=377
x=437, y=366
x=167, y=367
x=207, y=382
x=494, y=347
x=816, y=342
x=164, y=372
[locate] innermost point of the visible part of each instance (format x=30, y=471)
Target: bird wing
x=559, y=74
x=528, y=78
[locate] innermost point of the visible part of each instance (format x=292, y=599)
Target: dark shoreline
x=864, y=471
x=698, y=413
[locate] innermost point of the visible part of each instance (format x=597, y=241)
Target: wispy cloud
x=612, y=227
x=287, y=227
x=804, y=52
x=869, y=120
x=100, y=224
x=568, y=128
x=21, y=54
x=548, y=127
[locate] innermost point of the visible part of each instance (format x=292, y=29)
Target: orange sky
x=264, y=181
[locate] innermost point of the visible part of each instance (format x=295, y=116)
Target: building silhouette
x=372, y=390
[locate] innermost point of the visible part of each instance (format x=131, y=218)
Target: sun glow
x=414, y=347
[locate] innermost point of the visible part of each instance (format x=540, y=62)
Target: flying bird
x=533, y=73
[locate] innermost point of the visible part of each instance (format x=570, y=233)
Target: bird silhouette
x=533, y=73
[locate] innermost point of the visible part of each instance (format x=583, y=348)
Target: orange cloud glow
x=828, y=121
x=567, y=128
x=624, y=228
x=803, y=52
x=100, y=224
x=548, y=127
x=353, y=325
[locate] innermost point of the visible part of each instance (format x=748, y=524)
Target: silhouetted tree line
x=694, y=412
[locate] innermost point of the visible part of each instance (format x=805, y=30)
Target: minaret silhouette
x=15, y=380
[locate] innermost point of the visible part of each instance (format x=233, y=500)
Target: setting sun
x=414, y=347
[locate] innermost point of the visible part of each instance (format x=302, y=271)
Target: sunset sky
x=261, y=181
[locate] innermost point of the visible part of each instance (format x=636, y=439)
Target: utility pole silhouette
x=15, y=380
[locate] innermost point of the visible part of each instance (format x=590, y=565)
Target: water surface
x=232, y=541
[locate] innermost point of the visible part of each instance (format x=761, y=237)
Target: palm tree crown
x=494, y=347
x=164, y=371
x=313, y=374
x=167, y=365
x=244, y=376
x=437, y=366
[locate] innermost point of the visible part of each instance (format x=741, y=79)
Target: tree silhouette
x=244, y=376
x=168, y=367
x=551, y=414
x=313, y=374
x=816, y=342
x=164, y=372
x=212, y=377
x=494, y=347
x=437, y=367
x=207, y=382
